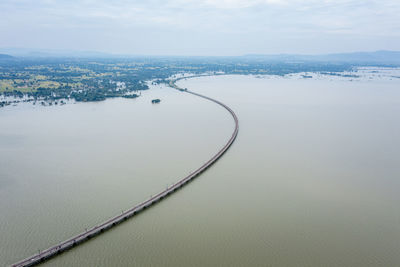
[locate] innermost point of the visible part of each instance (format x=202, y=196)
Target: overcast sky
x=202, y=27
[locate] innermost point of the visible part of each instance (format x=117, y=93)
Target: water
x=312, y=180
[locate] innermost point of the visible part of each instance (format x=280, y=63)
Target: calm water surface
x=312, y=180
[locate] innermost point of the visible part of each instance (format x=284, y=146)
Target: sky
x=202, y=27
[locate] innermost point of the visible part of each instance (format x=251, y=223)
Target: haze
x=202, y=27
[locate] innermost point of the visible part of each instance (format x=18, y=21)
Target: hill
x=377, y=57
x=4, y=56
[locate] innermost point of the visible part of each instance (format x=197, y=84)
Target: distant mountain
x=377, y=57
x=381, y=57
x=53, y=53
x=4, y=56
x=365, y=57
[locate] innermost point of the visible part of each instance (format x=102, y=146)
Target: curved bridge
x=96, y=230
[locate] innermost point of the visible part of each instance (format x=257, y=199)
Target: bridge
x=98, y=229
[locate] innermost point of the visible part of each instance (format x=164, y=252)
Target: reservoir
x=312, y=179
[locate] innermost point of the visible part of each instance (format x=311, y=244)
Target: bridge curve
x=96, y=230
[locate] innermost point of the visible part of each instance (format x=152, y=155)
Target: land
x=5, y=57
x=52, y=81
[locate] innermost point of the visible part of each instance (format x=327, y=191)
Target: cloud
x=232, y=4
x=260, y=26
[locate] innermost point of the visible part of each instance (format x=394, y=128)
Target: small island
x=155, y=101
x=130, y=96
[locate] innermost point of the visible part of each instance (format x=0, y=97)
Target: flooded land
x=312, y=179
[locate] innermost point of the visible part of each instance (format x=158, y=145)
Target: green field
x=25, y=87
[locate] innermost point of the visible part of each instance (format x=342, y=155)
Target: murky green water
x=312, y=180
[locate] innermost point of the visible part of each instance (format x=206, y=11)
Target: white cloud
x=192, y=25
x=229, y=4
